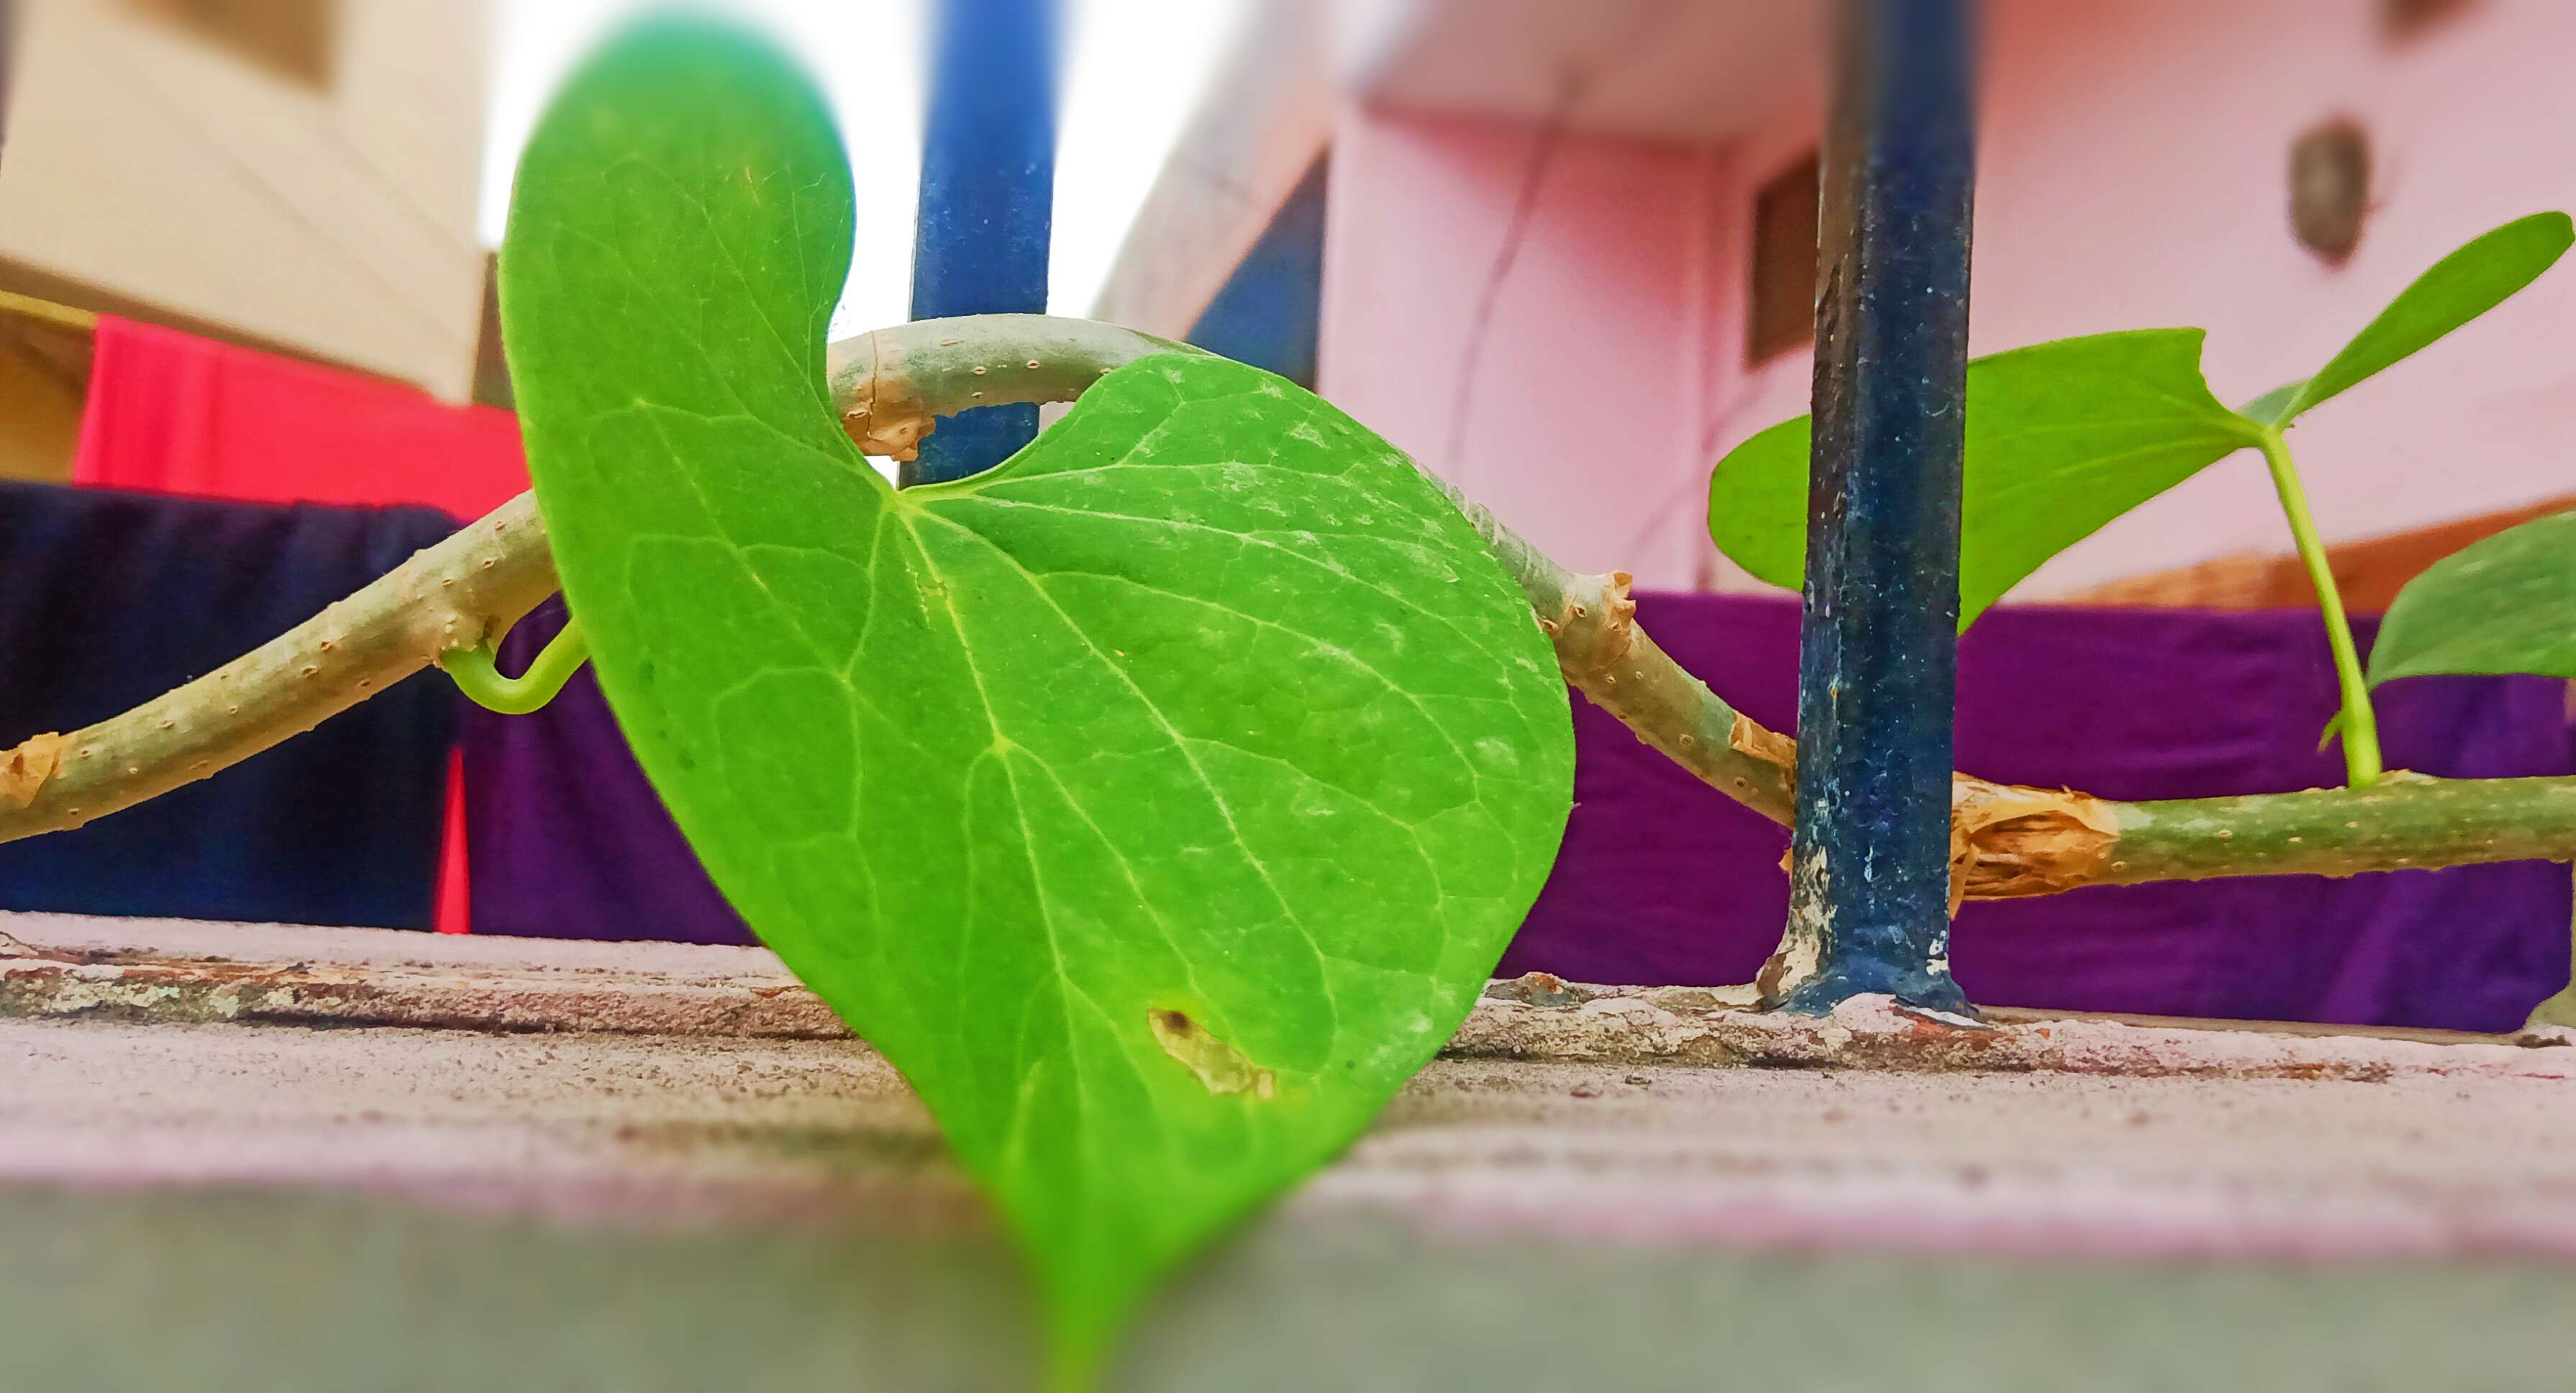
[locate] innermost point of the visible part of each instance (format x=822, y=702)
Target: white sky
x=1134, y=72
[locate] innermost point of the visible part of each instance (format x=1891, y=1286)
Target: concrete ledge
x=193, y=973
x=618, y=1080
x=1540, y=1017
x=1637, y=1185
x=182, y=971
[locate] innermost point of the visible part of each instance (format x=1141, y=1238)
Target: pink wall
x=2133, y=173
x=1566, y=420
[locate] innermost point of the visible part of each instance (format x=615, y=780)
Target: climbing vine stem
x=891, y=385
x=453, y=595
x=2359, y=726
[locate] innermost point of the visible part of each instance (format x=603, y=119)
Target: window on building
x=1780, y=302
x=292, y=38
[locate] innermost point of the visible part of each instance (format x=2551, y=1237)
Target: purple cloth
x=563, y=836
x=1664, y=880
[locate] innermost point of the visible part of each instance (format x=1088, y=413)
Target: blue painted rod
x=987, y=198
x=1878, y=651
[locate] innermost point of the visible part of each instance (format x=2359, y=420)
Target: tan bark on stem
x=476, y=583
x=893, y=384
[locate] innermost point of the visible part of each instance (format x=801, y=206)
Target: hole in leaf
x=1220, y=1067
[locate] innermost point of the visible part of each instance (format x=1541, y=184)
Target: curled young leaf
x=2267, y=408
x=1157, y=802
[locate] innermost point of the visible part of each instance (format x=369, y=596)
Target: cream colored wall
x=40, y=410
x=163, y=171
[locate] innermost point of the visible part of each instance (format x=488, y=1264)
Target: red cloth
x=173, y=413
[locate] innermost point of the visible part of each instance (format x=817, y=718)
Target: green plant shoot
x=1158, y=802
x=2063, y=437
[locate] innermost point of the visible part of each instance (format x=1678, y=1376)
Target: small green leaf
x=2062, y=438
x=2459, y=288
x=1157, y=802
x=2503, y=605
x=2268, y=407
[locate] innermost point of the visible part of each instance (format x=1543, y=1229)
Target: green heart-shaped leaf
x=2506, y=604
x=1157, y=801
x=2062, y=438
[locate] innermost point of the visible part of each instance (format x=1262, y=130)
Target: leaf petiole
x=2360, y=727
x=482, y=682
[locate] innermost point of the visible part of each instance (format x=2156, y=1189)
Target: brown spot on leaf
x=1220, y=1067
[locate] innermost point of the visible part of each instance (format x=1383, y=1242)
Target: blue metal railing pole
x=1878, y=654
x=987, y=197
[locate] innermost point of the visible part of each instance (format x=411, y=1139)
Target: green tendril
x=482, y=682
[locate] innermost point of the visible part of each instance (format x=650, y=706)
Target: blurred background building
x=297, y=175
x=1563, y=253
x=325, y=179
x=1559, y=252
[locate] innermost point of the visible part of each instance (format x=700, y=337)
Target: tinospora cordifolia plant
x=1160, y=800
